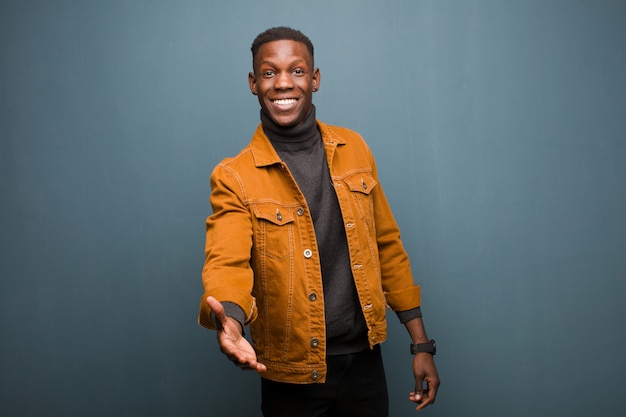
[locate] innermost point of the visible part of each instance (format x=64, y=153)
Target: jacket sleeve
x=401, y=293
x=227, y=274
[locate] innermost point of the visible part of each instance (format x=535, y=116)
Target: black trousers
x=355, y=387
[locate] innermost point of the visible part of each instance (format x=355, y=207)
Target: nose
x=283, y=81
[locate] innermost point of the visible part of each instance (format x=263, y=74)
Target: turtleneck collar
x=292, y=137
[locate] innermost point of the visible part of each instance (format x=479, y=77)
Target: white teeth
x=285, y=101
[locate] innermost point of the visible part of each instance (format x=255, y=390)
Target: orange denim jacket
x=261, y=252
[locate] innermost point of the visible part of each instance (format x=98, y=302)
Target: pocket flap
x=361, y=182
x=274, y=213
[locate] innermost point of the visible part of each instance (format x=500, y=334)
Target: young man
x=303, y=247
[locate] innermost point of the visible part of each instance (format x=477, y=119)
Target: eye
x=298, y=71
x=267, y=73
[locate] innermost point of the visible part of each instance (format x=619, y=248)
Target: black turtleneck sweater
x=302, y=149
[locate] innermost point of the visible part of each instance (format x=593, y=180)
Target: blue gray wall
x=500, y=133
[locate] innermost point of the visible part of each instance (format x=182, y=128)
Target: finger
x=254, y=365
x=432, y=393
x=421, y=396
x=250, y=364
x=426, y=400
x=241, y=365
x=257, y=366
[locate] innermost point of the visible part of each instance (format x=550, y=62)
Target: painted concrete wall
x=500, y=134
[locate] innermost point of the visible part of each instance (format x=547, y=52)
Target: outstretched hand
x=232, y=343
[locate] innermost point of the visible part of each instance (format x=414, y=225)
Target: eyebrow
x=271, y=62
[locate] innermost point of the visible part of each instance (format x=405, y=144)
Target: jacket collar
x=264, y=154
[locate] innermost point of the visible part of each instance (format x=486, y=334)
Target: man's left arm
x=403, y=295
x=426, y=376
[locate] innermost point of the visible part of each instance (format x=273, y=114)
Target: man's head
x=284, y=77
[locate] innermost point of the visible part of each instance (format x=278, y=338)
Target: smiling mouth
x=285, y=101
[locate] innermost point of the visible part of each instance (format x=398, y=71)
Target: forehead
x=282, y=51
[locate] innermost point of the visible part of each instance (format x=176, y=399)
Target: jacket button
x=300, y=211
x=308, y=253
x=315, y=342
x=312, y=296
x=315, y=375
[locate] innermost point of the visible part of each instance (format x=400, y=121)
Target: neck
x=290, y=134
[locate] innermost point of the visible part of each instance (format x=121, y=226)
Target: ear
x=252, y=83
x=317, y=77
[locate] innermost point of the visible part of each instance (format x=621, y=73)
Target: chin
x=285, y=122
x=288, y=123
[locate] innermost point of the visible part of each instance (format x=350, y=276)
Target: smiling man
x=284, y=80
x=302, y=247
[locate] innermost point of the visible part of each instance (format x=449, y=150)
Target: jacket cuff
x=405, y=299
x=233, y=311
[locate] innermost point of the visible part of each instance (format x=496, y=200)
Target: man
x=303, y=247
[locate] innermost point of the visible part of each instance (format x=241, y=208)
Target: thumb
x=419, y=390
x=218, y=311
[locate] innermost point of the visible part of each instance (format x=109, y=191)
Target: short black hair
x=280, y=33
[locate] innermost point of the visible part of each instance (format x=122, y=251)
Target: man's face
x=284, y=81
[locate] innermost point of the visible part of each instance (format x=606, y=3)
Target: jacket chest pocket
x=274, y=230
x=361, y=186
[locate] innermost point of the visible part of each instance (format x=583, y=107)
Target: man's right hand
x=232, y=343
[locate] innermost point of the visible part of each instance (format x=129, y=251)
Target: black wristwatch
x=429, y=347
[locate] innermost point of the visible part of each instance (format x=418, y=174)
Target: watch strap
x=429, y=347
